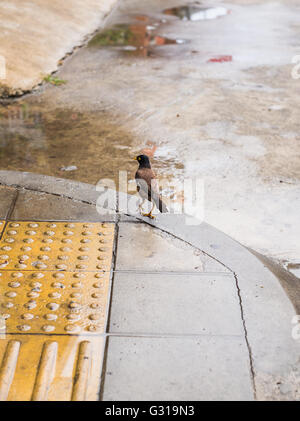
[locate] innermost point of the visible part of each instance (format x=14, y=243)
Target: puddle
x=142, y=37
x=82, y=146
x=194, y=13
x=51, y=142
x=139, y=39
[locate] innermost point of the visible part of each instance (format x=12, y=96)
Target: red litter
x=220, y=59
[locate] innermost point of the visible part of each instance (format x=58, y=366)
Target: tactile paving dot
x=51, y=306
x=44, y=246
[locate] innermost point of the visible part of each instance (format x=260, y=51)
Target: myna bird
x=147, y=186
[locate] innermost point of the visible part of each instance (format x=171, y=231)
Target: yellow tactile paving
x=56, y=246
x=53, y=302
x=56, y=368
x=52, y=314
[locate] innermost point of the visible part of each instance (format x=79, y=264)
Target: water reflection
x=139, y=39
x=195, y=13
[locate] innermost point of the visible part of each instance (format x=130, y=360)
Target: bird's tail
x=161, y=206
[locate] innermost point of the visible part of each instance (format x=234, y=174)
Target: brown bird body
x=147, y=185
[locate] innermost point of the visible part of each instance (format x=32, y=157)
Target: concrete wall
x=36, y=34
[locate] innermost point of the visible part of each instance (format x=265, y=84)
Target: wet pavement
x=203, y=91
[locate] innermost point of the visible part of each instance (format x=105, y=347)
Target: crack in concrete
x=246, y=336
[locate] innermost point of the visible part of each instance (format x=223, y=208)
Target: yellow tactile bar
x=52, y=314
x=56, y=368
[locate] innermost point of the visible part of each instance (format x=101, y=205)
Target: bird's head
x=143, y=160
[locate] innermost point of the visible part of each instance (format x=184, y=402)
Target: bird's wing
x=147, y=187
x=145, y=179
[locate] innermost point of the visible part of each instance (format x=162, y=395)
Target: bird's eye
x=139, y=159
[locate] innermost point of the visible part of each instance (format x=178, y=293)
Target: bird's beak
x=135, y=158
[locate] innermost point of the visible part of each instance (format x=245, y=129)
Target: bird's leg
x=141, y=206
x=150, y=213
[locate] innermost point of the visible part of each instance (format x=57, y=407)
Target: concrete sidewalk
x=185, y=312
